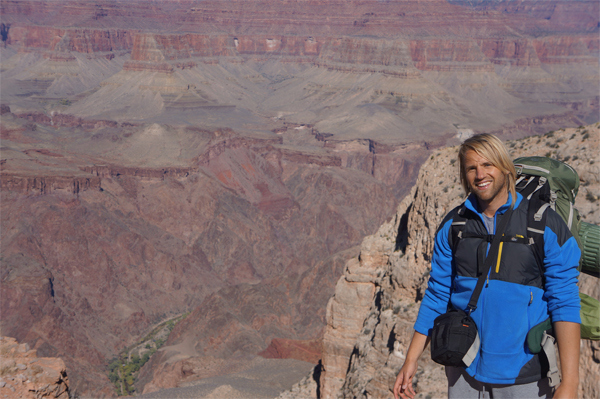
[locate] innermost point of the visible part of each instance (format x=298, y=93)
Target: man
x=515, y=296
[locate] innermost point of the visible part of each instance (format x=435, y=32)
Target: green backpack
x=551, y=183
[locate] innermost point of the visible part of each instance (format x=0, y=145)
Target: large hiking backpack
x=550, y=183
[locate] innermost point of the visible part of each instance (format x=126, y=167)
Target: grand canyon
x=218, y=163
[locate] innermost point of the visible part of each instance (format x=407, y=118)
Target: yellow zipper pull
x=499, y=255
x=531, y=300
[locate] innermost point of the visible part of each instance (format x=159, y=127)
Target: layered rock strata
x=406, y=40
x=108, y=231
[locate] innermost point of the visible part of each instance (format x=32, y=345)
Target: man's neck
x=489, y=208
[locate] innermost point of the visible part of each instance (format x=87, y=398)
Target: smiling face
x=486, y=181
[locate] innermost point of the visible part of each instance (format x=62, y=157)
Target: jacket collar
x=472, y=204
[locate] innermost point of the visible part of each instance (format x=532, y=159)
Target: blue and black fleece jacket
x=518, y=295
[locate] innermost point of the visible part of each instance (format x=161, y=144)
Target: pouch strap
x=489, y=260
x=472, y=352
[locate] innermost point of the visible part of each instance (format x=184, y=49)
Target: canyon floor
x=264, y=379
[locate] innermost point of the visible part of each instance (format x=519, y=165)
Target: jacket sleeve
x=561, y=259
x=437, y=295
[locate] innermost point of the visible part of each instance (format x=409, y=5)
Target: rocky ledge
x=24, y=375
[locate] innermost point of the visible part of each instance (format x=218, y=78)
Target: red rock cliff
x=70, y=39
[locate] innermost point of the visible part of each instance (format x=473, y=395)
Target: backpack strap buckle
x=548, y=348
x=519, y=169
x=538, y=215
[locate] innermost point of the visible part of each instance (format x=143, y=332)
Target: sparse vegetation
x=65, y=102
x=591, y=197
x=123, y=370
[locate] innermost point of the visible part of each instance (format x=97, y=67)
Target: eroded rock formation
x=27, y=376
x=107, y=231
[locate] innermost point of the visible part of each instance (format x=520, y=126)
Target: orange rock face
x=79, y=40
x=26, y=376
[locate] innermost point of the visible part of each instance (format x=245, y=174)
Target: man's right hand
x=403, y=387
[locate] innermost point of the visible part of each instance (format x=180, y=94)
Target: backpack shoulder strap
x=540, y=199
x=458, y=232
x=459, y=221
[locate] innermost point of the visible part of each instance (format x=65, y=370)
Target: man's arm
x=403, y=386
x=567, y=337
x=435, y=302
x=561, y=258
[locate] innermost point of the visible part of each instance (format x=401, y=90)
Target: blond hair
x=491, y=148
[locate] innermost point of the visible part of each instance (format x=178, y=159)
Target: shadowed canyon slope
x=226, y=157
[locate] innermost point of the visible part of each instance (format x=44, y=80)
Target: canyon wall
x=480, y=53
x=150, y=221
x=156, y=61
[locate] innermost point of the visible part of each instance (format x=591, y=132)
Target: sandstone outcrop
x=27, y=376
x=370, y=316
